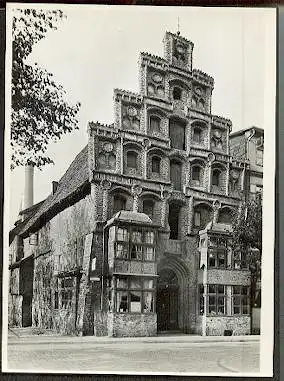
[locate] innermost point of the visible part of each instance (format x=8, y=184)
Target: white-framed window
x=241, y=300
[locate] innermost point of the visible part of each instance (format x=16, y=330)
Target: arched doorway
x=167, y=301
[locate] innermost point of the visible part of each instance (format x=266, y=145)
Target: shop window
x=132, y=159
x=148, y=208
x=177, y=93
x=119, y=203
x=155, y=124
x=156, y=164
x=135, y=295
x=217, y=258
x=216, y=299
x=216, y=177
x=241, y=300
x=177, y=134
x=196, y=137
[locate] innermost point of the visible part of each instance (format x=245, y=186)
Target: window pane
x=212, y=309
x=156, y=161
x=135, y=283
x=237, y=310
x=148, y=283
x=148, y=207
x=245, y=310
x=197, y=218
x=136, y=252
x=196, y=135
x=196, y=173
x=122, y=234
x=132, y=159
x=221, y=289
x=121, y=283
x=236, y=289
x=149, y=253
x=155, y=124
x=244, y=290
x=212, y=289
x=149, y=237
x=137, y=236
x=121, y=251
x=148, y=302
x=212, y=299
x=122, y=301
x=237, y=300
x=135, y=301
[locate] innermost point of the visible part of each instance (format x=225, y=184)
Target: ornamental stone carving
x=179, y=53
x=216, y=139
x=131, y=117
x=107, y=155
x=156, y=84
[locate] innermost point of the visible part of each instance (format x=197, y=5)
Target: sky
x=96, y=49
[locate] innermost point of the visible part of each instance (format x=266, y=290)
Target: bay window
x=135, y=295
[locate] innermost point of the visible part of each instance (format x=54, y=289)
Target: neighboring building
x=136, y=235
x=248, y=144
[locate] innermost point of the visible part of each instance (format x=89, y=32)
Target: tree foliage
x=40, y=112
x=247, y=238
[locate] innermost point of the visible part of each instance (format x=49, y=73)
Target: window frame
x=241, y=295
x=216, y=294
x=157, y=160
x=196, y=128
x=129, y=244
x=128, y=290
x=134, y=155
x=153, y=119
x=214, y=171
x=194, y=167
x=180, y=91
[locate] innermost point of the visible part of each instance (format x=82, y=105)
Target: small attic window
x=177, y=93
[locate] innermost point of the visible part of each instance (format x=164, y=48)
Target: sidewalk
x=26, y=336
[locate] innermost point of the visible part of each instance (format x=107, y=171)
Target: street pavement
x=180, y=354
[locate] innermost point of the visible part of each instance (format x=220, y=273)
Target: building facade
x=135, y=237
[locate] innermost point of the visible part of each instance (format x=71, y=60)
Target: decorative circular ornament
x=211, y=157
x=156, y=77
x=151, y=89
x=198, y=90
x=180, y=48
x=108, y=147
x=217, y=134
x=132, y=111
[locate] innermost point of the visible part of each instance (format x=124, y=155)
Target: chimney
x=54, y=186
x=29, y=187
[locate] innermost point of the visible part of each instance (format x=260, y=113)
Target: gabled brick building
x=135, y=237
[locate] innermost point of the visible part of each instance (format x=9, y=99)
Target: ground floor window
x=64, y=292
x=216, y=299
x=240, y=300
x=135, y=294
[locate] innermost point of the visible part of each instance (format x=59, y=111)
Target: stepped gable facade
x=135, y=238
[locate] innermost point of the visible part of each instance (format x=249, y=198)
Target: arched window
x=177, y=93
x=119, y=203
x=148, y=208
x=216, y=177
x=176, y=175
x=156, y=164
x=155, y=123
x=196, y=136
x=196, y=173
x=132, y=159
x=202, y=216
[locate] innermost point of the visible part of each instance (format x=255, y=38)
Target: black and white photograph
x=139, y=190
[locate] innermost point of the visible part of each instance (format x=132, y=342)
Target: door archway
x=167, y=301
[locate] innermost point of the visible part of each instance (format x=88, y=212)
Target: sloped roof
x=130, y=217
x=73, y=183
x=240, y=132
